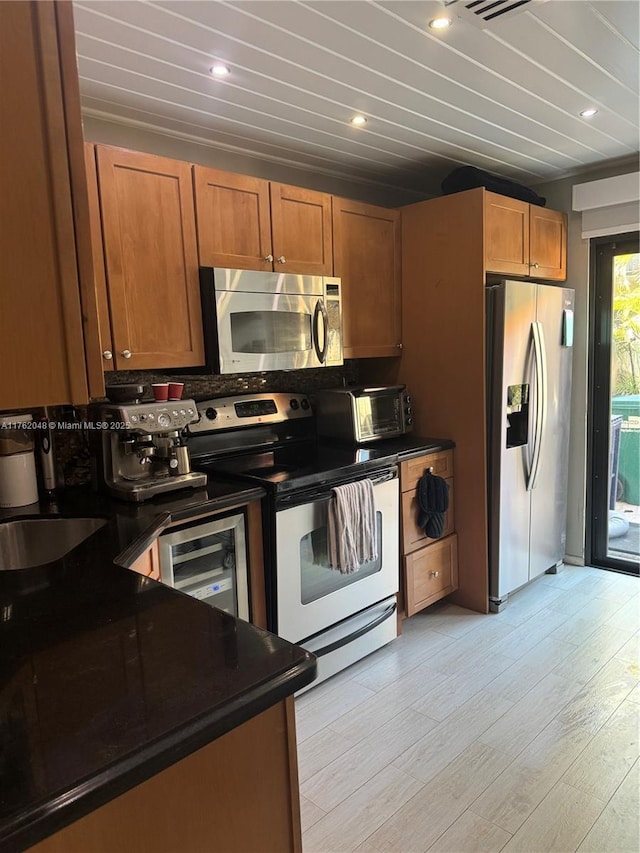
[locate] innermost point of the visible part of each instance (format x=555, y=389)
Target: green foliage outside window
x=626, y=325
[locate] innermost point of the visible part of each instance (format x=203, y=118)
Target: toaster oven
x=360, y=415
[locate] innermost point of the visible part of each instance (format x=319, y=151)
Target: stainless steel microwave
x=359, y=415
x=255, y=321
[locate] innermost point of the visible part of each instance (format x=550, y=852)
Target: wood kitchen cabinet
x=150, y=258
x=41, y=313
x=367, y=257
x=148, y=563
x=449, y=247
x=251, y=223
x=236, y=794
x=430, y=566
x=524, y=239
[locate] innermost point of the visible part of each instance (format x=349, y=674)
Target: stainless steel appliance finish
x=29, y=542
x=256, y=321
x=529, y=385
x=139, y=449
x=360, y=415
x=208, y=560
x=270, y=439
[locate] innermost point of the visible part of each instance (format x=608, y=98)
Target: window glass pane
x=624, y=439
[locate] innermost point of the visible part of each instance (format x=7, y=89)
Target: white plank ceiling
x=504, y=95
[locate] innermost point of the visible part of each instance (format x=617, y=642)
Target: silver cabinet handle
x=126, y=353
x=269, y=259
x=535, y=266
x=434, y=574
x=281, y=259
x=107, y=355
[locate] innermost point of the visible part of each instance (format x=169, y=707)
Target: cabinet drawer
x=410, y=472
x=431, y=573
x=413, y=536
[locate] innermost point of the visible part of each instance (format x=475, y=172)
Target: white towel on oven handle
x=351, y=527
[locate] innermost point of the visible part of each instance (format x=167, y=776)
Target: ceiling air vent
x=483, y=13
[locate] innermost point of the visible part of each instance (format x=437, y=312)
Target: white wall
x=559, y=197
x=142, y=139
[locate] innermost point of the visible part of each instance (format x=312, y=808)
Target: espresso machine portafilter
x=139, y=450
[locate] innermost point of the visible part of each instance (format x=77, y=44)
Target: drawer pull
x=434, y=574
x=429, y=470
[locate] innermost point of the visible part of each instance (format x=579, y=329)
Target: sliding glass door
x=613, y=535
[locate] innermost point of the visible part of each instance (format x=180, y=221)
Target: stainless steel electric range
x=270, y=439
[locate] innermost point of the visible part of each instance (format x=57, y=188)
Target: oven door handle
x=318, y=310
x=343, y=641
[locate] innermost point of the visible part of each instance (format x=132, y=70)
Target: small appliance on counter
x=359, y=414
x=139, y=450
x=18, y=483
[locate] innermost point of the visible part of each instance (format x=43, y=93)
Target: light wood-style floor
x=512, y=731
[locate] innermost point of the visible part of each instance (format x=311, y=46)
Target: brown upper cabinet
x=524, y=239
x=366, y=252
x=42, y=354
x=251, y=223
x=151, y=259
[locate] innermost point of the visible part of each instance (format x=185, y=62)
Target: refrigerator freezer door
x=549, y=496
x=512, y=314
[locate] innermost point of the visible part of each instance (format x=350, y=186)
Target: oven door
x=310, y=596
x=270, y=331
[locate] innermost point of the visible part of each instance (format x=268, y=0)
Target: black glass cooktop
x=302, y=464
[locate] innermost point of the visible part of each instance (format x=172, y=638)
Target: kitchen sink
x=25, y=543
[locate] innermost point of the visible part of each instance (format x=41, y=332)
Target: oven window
x=270, y=331
x=317, y=579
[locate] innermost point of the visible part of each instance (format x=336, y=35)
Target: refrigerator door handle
x=541, y=400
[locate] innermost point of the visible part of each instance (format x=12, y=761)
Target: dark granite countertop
x=108, y=677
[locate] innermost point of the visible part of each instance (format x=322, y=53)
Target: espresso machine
x=139, y=448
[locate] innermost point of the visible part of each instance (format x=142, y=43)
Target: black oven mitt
x=433, y=502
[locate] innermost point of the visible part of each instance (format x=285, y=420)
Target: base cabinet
x=237, y=794
x=431, y=573
x=148, y=563
x=429, y=566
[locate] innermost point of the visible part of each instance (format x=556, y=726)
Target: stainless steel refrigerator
x=529, y=355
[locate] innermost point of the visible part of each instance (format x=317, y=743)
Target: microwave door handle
x=320, y=310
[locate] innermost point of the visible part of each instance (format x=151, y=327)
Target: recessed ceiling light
x=440, y=23
x=219, y=70
x=358, y=120
x=589, y=112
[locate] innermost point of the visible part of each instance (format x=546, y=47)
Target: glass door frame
x=603, y=250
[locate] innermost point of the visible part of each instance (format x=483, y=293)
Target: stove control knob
x=211, y=414
x=407, y=399
x=305, y=403
x=294, y=404
x=409, y=421
x=409, y=410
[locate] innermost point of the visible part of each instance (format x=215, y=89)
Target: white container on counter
x=18, y=483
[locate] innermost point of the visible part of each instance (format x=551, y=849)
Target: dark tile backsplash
x=72, y=447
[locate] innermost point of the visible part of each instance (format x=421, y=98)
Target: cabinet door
x=431, y=573
x=548, y=243
x=366, y=246
x=148, y=226
x=234, y=227
x=148, y=563
x=41, y=335
x=301, y=229
x=99, y=277
x=413, y=536
x=506, y=242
